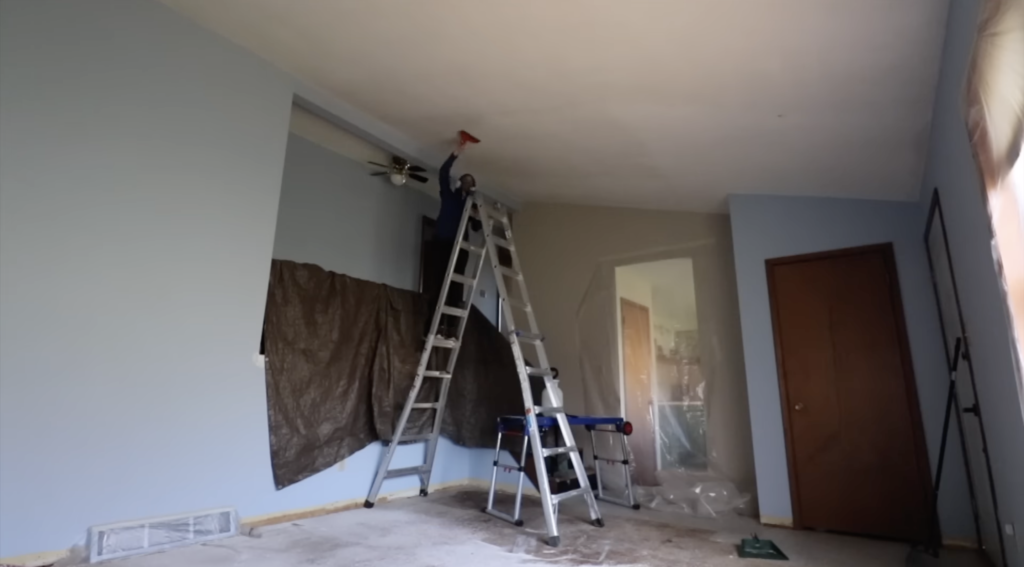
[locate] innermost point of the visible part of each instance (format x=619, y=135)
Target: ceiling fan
x=400, y=171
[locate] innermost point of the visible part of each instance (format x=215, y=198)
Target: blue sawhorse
x=517, y=426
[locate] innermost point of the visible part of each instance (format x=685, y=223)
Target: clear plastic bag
x=704, y=495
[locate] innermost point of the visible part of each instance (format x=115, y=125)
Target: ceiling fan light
x=397, y=179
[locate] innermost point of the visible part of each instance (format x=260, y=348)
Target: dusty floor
x=448, y=529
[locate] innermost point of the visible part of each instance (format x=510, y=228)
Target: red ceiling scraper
x=467, y=138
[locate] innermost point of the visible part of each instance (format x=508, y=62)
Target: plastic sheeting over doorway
x=659, y=366
x=660, y=344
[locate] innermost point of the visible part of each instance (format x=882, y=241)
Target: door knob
x=799, y=406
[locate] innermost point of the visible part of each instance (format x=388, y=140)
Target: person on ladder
x=446, y=235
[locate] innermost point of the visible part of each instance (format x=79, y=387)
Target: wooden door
x=637, y=367
x=855, y=447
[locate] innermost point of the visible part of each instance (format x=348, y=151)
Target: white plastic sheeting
x=683, y=389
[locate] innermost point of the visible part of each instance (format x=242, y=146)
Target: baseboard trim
x=340, y=506
x=777, y=522
x=956, y=543
x=263, y=520
x=354, y=503
x=506, y=487
x=34, y=559
x=948, y=543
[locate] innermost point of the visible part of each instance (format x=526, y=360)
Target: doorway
x=855, y=443
x=662, y=386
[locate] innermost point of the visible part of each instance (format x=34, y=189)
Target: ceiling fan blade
x=417, y=169
x=418, y=177
x=379, y=164
x=378, y=173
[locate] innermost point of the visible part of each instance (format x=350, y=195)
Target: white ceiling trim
x=356, y=123
x=319, y=131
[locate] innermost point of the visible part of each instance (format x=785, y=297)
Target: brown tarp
x=341, y=359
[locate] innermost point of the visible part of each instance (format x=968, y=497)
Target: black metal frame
x=953, y=400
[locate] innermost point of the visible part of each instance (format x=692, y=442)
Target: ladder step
x=434, y=405
x=502, y=242
x=407, y=471
x=570, y=494
x=547, y=410
x=445, y=342
x=409, y=438
x=519, y=304
x=510, y=272
x=531, y=337
x=559, y=450
x=462, y=279
x=449, y=310
x=436, y=374
x=470, y=248
x=545, y=372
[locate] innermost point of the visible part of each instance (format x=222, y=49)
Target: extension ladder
x=491, y=216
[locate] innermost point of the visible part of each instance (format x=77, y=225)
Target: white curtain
x=995, y=122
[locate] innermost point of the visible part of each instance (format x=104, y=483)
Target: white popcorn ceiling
x=668, y=104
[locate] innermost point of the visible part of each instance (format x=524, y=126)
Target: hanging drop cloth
x=341, y=358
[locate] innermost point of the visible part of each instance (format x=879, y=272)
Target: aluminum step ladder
x=434, y=342
x=494, y=217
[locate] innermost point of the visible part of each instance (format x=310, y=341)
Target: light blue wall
x=142, y=159
x=951, y=168
x=335, y=215
x=766, y=227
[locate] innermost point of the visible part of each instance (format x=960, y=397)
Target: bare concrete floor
x=448, y=529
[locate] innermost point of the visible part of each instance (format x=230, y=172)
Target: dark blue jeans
x=434, y=270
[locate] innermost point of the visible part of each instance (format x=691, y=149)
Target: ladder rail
x=548, y=503
x=453, y=356
x=533, y=431
x=421, y=370
x=524, y=296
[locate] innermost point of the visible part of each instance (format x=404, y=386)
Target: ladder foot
x=423, y=492
x=367, y=504
x=518, y=523
x=598, y=522
x=554, y=541
x=636, y=506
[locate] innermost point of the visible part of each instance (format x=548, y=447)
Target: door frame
x=909, y=379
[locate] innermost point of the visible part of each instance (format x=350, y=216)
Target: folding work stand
x=519, y=426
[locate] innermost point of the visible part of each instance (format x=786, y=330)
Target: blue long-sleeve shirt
x=452, y=204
